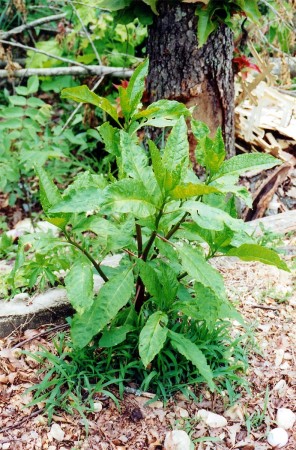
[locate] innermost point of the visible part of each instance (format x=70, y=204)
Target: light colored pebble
x=211, y=419
x=278, y=437
x=98, y=407
x=285, y=418
x=56, y=432
x=177, y=440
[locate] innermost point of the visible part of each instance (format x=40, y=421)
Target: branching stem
x=91, y=259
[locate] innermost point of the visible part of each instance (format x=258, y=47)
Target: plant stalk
x=85, y=252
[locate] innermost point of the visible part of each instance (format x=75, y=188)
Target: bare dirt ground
x=267, y=299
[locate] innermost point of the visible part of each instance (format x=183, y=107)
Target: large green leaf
x=205, y=24
x=254, y=252
x=212, y=218
x=128, y=196
x=152, y=337
x=109, y=236
x=110, y=136
x=82, y=94
x=79, y=284
x=49, y=193
x=191, y=190
x=204, y=306
x=150, y=278
x=200, y=270
x=134, y=158
x=111, y=298
x=80, y=200
x=243, y=163
x=194, y=354
x=176, y=152
x=49, y=196
x=115, y=336
x=136, y=86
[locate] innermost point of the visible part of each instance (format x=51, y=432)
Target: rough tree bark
x=201, y=77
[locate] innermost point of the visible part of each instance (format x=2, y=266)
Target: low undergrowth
x=162, y=319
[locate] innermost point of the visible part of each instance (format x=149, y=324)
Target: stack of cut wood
x=267, y=121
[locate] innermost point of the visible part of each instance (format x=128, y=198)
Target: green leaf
x=152, y=4
x=82, y=94
x=11, y=124
x=243, y=163
x=212, y=218
x=50, y=196
x=191, y=190
x=17, y=100
x=250, y=7
x=134, y=158
x=113, y=295
x=164, y=109
x=33, y=84
x=136, y=85
x=254, y=252
x=128, y=196
x=109, y=236
x=216, y=154
x=115, y=336
x=49, y=193
x=80, y=285
x=112, y=5
x=150, y=278
x=110, y=136
x=205, y=24
x=192, y=353
x=176, y=152
x=205, y=306
x=81, y=200
x=200, y=270
x=124, y=102
x=199, y=129
x=152, y=337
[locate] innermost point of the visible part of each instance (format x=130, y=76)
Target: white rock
x=177, y=440
x=277, y=438
x=211, y=419
x=56, y=432
x=6, y=446
x=285, y=418
x=98, y=407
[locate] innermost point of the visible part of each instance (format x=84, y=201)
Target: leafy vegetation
x=165, y=304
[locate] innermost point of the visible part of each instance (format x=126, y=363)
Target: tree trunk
x=200, y=77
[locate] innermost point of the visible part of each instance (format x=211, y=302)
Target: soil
x=264, y=295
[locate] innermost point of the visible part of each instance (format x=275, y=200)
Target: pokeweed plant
x=165, y=222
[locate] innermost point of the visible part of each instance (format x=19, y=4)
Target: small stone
x=285, y=418
x=182, y=412
x=98, y=407
x=56, y=432
x=278, y=437
x=177, y=440
x=211, y=419
x=6, y=445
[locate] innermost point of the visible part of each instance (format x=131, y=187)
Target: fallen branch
x=55, y=71
x=33, y=24
x=49, y=55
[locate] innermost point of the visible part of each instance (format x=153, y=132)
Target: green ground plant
x=29, y=136
x=163, y=313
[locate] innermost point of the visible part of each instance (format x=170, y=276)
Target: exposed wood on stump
x=201, y=77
